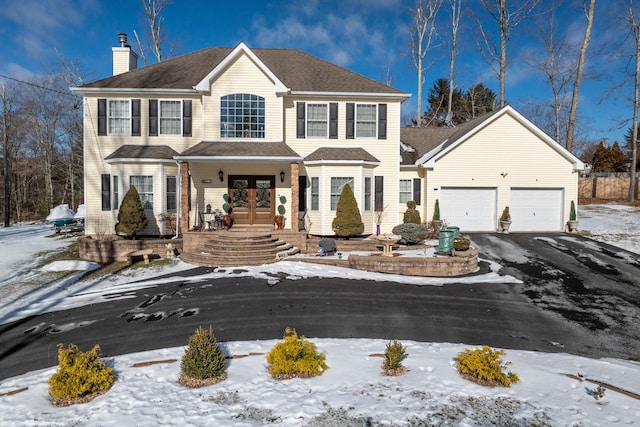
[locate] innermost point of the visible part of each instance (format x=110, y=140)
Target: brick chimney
x=124, y=58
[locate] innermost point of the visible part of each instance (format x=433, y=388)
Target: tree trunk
x=576, y=84
x=636, y=93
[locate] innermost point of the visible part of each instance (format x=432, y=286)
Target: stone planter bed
x=408, y=264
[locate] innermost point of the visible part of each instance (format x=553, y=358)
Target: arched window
x=242, y=116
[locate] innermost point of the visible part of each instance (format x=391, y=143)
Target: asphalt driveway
x=576, y=296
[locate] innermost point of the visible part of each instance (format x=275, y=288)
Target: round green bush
x=410, y=233
x=411, y=204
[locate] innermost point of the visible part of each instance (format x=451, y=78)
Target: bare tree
x=556, y=63
x=571, y=125
x=154, y=21
x=423, y=34
x=635, y=28
x=507, y=20
x=456, y=6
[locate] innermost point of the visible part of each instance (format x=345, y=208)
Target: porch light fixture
x=504, y=174
x=221, y=175
x=282, y=176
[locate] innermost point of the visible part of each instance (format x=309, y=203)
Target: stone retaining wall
x=116, y=249
x=462, y=263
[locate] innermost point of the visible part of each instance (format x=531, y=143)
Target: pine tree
x=131, y=216
x=600, y=161
x=348, y=221
x=617, y=158
x=203, y=358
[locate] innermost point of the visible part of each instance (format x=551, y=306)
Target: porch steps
x=229, y=249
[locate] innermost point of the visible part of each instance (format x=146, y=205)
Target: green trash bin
x=456, y=230
x=445, y=241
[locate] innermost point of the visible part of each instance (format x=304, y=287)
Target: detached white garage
x=471, y=209
x=536, y=209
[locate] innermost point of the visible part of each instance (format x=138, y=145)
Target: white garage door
x=536, y=209
x=471, y=209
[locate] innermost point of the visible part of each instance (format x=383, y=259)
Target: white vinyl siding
x=337, y=183
x=170, y=117
x=144, y=186
x=119, y=117
x=366, y=120
x=317, y=120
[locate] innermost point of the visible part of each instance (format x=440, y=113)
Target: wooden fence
x=608, y=187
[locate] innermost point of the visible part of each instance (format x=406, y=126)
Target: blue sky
x=367, y=36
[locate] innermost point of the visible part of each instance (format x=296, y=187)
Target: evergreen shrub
x=348, y=221
x=203, y=358
x=572, y=212
x=131, y=216
x=436, y=211
x=485, y=366
x=80, y=376
x=393, y=358
x=295, y=357
x=410, y=233
x=411, y=215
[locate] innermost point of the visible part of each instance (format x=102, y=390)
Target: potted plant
x=573, y=219
x=505, y=220
x=279, y=219
x=227, y=218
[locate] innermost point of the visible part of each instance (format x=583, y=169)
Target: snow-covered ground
x=351, y=392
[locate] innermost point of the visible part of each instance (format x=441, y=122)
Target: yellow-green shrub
x=485, y=366
x=79, y=374
x=203, y=358
x=295, y=357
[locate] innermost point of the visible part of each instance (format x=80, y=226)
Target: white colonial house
x=258, y=124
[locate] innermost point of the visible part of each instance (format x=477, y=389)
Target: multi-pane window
x=366, y=120
x=170, y=117
x=367, y=193
x=119, y=117
x=172, y=200
x=242, y=116
x=115, y=193
x=406, y=192
x=144, y=185
x=337, y=183
x=317, y=120
x=315, y=193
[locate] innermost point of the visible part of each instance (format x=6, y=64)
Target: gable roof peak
x=205, y=84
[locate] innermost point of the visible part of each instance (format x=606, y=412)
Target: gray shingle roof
x=341, y=153
x=143, y=152
x=298, y=70
x=240, y=149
